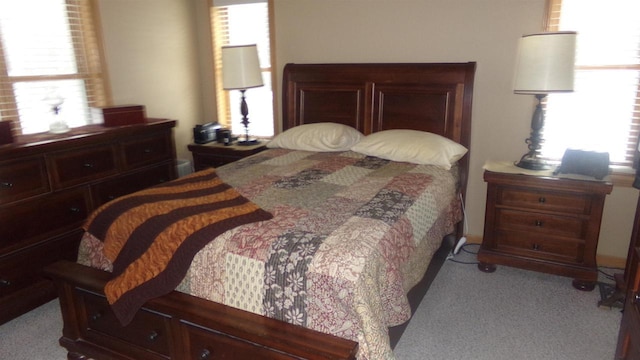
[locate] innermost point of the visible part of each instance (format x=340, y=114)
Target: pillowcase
x=417, y=147
x=322, y=137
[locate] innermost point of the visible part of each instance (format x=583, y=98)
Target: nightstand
x=215, y=154
x=543, y=223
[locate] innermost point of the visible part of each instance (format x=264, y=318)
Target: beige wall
x=152, y=59
x=153, y=48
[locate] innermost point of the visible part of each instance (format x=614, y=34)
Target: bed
x=343, y=247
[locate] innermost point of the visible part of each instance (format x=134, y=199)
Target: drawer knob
x=6, y=184
x=542, y=200
x=87, y=165
x=535, y=247
x=5, y=283
x=636, y=298
x=96, y=316
x=148, y=151
x=205, y=354
x=74, y=209
x=153, y=336
x=538, y=223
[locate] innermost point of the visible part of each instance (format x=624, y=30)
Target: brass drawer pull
x=538, y=223
x=542, y=200
x=205, y=354
x=6, y=184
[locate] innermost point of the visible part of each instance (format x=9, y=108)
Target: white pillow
x=317, y=137
x=418, y=147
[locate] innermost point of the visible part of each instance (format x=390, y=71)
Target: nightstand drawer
x=538, y=247
x=540, y=223
x=22, y=179
x=543, y=200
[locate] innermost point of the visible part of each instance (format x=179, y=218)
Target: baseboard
x=603, y=260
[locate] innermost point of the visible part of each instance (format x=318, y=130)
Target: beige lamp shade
x=240, y=67
x=546, y=63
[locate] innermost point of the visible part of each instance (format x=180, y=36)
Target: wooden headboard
x=372, y=97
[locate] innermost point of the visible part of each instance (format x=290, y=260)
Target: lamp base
x=533, y=163
x=248, y=142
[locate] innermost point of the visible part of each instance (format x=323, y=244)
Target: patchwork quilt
x=349, y=237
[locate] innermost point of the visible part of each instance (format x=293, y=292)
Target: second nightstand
x=216, y=154
x=543, y=223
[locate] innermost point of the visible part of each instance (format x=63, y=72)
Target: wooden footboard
x=177, y=326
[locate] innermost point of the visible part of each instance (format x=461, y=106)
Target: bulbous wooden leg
x=583, y=285
x=485, y=267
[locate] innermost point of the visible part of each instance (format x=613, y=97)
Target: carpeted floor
x=508, y=315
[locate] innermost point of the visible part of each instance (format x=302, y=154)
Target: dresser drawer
x=540, y=247
x=82, y=165
x=209, y=345
x=147, y=150
x=22, y=178
x=24, y=268
x=148, y=330
x=543, y=200
x=28, y=222
x=540, y=223
x=126, y=184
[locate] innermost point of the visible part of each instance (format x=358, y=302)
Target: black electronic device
x=590, y=163
x=205, y=133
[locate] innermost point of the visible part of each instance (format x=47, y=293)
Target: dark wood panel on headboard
x=373, y=97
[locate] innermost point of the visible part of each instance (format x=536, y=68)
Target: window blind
x=603, y=113
x=49, y=53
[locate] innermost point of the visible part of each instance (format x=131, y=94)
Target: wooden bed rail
x=177, y=326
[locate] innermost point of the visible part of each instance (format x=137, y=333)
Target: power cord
x=462, y=241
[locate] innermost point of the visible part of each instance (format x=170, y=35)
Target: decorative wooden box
x=6, y=137
x=119, y=115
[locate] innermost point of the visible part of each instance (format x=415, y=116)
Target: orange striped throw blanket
x=151, y=236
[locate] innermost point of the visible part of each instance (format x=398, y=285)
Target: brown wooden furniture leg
x=486, y=267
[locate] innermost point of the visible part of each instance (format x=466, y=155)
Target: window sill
x=622, y=176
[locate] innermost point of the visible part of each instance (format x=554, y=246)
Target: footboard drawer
x=208, y=345
x=148, y=330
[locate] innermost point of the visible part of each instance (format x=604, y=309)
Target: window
x=243, y=22
x=603, y=113
x=49, y=54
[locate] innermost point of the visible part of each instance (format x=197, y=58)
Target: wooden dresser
x=50, y=183
x=545, y=224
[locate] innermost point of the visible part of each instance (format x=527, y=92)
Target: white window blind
x=49, y=54
x=603, y=113
x=242, y=22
